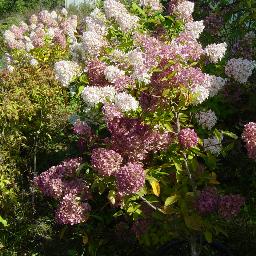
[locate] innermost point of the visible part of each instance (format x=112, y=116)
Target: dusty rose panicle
x=230, y=205
x=106, y=161
x=51, y=182
x=188, y=138
x=71, y=211
x=130, y=178
x=207, y=201
x=187, y=47
x=249, y=137
x=96, y=73
x=70, y=166
x=134, y=140
x=77, y=186
x=111, y=111
x=82, y=128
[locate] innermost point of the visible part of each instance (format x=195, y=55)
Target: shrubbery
x=124, y=120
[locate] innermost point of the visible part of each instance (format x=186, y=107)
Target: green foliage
x=24, y=6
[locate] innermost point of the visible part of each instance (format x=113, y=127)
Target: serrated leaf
x=156, y=187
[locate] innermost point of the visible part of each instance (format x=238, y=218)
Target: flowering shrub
x=143, y=86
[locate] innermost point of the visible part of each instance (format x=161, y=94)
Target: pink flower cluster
x=249, y=137
x=60, y=182
x=130, y=178
x=227, y=206
x=134, y=140
x=188, y=138
x=82, y=128
x=130, y=142
x=207, y=201
x=42, y=28
x=106, y=161
x=230, y=205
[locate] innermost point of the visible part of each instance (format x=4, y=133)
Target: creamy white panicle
x=195, y=28
x=112, y=73
x=184, y=10
x=240, y=69
x=66, y=71
x=207, y=119
x=117, y=11
x=212, y=145
x=200, y=93
x=214, y=84
x=126, y=102
x=216, y=52
x=92, y=95
x=93, y=42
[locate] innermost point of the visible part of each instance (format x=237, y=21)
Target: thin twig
x=177, y=122
x=151, y=205
x=189, y=173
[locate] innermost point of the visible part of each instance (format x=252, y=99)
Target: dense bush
x=23, y=6
x=157, y=135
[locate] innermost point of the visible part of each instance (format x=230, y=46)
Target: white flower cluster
x=207, y=119
x=66, y=71
x=126, y=102
x=33, y=62
x=140, y=71
x=155, y=5
x=212, y=145
x=214, y=84
x=96, y=22
x=184, y=10
x=112, y=73
x=93, y=42
x=93, y=95
x=240, y=69
x=200, y=93
x=195, y=28
x=215, y=52
x=117, y=11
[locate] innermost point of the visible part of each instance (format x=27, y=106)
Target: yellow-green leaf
x=156, y=187
x=112, y=196
x=85, y=239
x=171, y=200
x=208, y=236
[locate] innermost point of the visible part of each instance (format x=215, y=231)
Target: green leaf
x=193, y=222
x=3, y=221
x=80, y=89
x=208, y=236
x=112, y=196
x=230, y=134
x=171, y=200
